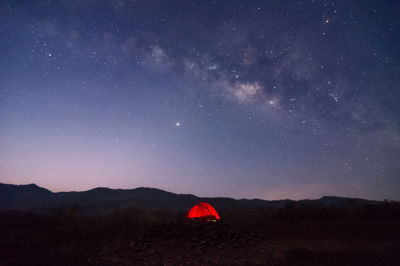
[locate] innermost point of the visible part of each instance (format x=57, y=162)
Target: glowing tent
x=203, y=211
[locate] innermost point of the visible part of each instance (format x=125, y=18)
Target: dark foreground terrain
x=123, y=239
x=146, y=226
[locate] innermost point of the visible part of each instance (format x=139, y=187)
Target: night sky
x=255, y=99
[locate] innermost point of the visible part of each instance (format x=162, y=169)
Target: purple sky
x=254, y=99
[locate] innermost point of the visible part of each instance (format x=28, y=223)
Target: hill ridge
x=100, y=199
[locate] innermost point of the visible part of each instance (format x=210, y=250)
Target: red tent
x=203, y=210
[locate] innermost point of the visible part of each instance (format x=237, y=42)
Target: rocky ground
x=198, y=243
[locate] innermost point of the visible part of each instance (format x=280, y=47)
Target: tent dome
x=203, y=211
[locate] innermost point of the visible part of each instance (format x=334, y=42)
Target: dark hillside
x=147, y=226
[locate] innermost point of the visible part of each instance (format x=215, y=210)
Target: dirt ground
x=32, y=241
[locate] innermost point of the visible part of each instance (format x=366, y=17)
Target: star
x=177, y=124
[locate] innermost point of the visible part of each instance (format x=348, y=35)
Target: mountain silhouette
x=99, y=200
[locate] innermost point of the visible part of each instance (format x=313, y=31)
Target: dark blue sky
x=256, y=99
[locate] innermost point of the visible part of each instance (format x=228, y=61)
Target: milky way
x=256, y=99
